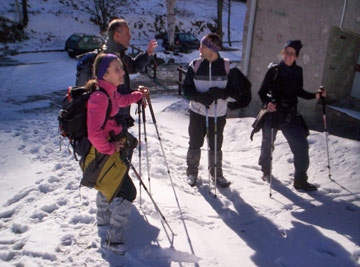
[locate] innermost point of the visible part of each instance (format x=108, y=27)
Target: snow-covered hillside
x=52, y=22
x=46, y=221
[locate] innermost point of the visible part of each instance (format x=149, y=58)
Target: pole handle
x=322, y=89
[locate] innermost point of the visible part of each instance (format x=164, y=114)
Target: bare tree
x=220, y=4
x=22, y=13
x=170, y=5
x=229, y=28
x=25, y=17
x=18, y=11
x=102, y=9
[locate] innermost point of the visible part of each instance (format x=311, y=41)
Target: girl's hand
x=145, y=93
x=271, y=107
x=118, y=146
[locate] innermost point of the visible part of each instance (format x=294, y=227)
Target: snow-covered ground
x=46, y=221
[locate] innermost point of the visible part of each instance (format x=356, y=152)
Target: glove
x=217, y=93
x=204, y=98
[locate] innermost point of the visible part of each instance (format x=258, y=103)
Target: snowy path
x=44, y=222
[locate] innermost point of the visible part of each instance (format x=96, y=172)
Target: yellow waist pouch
x=103, y=172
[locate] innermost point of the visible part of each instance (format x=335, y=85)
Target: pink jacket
x=96, y=113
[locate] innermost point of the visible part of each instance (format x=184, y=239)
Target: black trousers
x=128, y=189
x=296, y=136
x=197, y=133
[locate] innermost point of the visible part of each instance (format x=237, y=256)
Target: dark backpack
x=242, y=94
x=73, y=115
x=84, y=68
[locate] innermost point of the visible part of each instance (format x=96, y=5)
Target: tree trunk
x=229, y=28
x=18, y=12
x=25, y=13
x=170, y=5
x=220, y=4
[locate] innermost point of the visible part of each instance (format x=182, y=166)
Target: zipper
x=210, y=78
x=112, y=165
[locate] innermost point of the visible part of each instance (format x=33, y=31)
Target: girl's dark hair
x=92, y=84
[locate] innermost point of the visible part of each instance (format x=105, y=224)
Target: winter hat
x=105, y=62
x=296, y=44
x=207, y=42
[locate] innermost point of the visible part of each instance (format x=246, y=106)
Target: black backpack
x=243, y=93
x=84, y=67
x=72, y=118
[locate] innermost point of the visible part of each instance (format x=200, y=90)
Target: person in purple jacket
x=109, y=74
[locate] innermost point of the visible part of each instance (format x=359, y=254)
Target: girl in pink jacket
x=109, y=73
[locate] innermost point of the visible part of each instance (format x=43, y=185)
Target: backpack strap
x=197, y=65
x=108, y=110
x=227, y=65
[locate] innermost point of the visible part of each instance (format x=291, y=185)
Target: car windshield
x=97, y=41
x=192, y=38
x=75, y=38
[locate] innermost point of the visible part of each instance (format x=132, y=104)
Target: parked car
x=80, y=43
x=182, y=41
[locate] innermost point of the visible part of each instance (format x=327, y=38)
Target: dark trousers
x=197, y=133
x=295, y=134
x=128, y=189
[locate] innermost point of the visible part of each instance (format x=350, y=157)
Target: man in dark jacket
x=117, y=43
x=207, y=87
x=279, y=92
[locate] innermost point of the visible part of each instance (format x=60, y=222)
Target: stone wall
x=328, y=55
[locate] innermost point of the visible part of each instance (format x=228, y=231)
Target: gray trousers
x=197, y=133
x=115, y=215
x=295, y=134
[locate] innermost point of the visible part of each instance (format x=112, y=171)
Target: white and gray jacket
x=201, y=76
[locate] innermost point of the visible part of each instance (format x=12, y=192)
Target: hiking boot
x=116, y=247
x=305, y=186
x=221, y=181
x=191, y=180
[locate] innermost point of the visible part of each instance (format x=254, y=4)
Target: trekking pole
x=139, y=111
x=271, y=155
x=208, y=144
x=215, y=147
x=159, y=138
x=325, y=129
x=163, y=152
x=271, y=149
x=146, y=145
x=153, y=201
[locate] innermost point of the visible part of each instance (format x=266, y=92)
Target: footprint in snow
x=62, y=202
x=68, y=240
x=19, y=245
x=35, y=150
x=21, y=147
x=8, y=256
x=49, y=208
x=84, y=219
x=53, y=180
x=18, y=228
x=7, y=214
x=43, y=188
x=39, y=216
